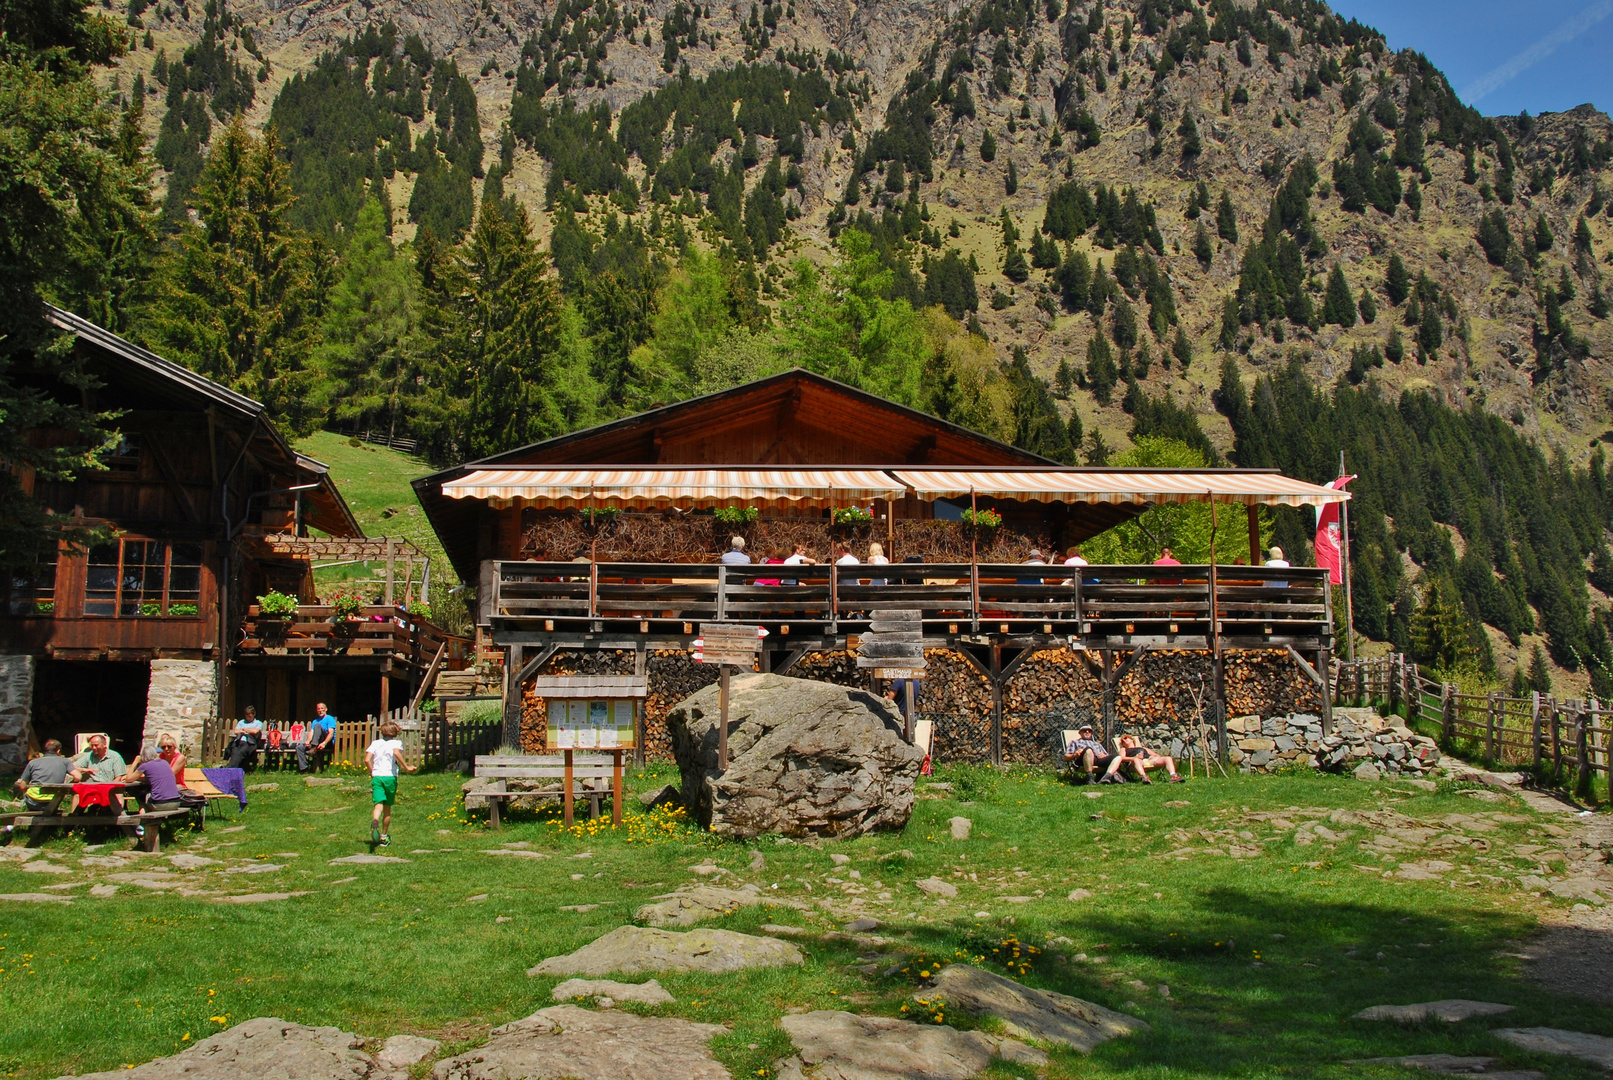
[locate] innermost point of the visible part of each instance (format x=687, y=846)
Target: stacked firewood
x=1166, y=687
x=1269, y=684
x=535, y=710
x=673, y=676
x=1051, y=692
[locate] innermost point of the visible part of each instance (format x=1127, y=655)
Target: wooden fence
x=428, y=738
x=1541, y=733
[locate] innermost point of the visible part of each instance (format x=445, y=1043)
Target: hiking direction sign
x=894, y=643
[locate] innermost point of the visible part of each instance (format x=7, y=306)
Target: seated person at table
x=162, y=790
x=1087, y=752
x=245, y=738
x=168, y=750
x=48, y=768
x=321, y=734
x=1140, y=758
x=100, y=764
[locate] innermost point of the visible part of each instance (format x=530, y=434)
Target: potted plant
x=982, y=524
x=275, y=610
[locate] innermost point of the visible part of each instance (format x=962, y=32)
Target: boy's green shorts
x=384, y=789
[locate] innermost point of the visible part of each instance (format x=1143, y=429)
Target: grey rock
x=697, y=903
x=362, y=858
x=647, y=993
x=322, y=781
x=264, y=1046
x=402, y=1051
x=862, y=925
x=632, y=950
x=804, y=759
x=1079, y=894
x=190, y=862
x=1452, y=1065
x=1030, y=1013
x=103, y=891
x=34, y=898
x=257, y=868
x=46, y=868
x=1597, y=1049
x=1366, y=771
x=758, y=862
x=667, y=796
x=961, y=827
x=258, y=897
x=271, y=786
x=937, y=887
x=579, y=1044
x=842, y=1046
x=1450, y=1010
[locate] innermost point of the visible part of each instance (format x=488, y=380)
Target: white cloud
x=1496, y=78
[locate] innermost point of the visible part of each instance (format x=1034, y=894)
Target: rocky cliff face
x=1258, y=113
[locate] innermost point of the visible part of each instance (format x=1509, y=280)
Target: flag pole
x=1349, y=605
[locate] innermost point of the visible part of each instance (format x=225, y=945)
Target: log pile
x=673, y=676
x=1051, y=692
x=698, y=538
x=957, y=699
x=1268, y=683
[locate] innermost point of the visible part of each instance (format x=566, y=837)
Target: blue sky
x=1505, y=55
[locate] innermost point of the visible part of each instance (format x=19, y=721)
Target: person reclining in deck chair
x=1087, y=753
x=1141, y=759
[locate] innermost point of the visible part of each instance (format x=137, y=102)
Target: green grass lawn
x=1266, y=957
x=375, y=483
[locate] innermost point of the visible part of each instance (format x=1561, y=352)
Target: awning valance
x=643, y=488
x=1119, y=486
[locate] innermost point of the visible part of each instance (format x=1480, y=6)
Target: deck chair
x=923, y=734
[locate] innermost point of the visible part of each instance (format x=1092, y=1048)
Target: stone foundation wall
x=182, y=694
x=16, y=707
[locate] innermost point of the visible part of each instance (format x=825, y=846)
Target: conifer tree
x=1367, y=306
x=988, y=147
x=369, y=350
x=1430, y=332
x=1011, y=180
x=1182, y=349
x=1582, y=235
x=1201, y=246
x=1397, y=282
x=1539, y=672
x=1229, y=324
x=1125, y=321
x=1102, y=374
x=1543, y=237
x=1395, y=350
x=1226, y=219
x=1339, y=306
x=1188, y=129
x=238, y=303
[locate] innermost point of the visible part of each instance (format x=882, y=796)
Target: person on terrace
x=735, y=555
x=1140, y=758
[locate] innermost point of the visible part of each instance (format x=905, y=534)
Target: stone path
x=645, y=993
x=264, y=1047
x=1597, y=1049
x=564, y=1041
x=632, y=950
x=1030, y=1013
x=697, y=903
x=1451, y=1011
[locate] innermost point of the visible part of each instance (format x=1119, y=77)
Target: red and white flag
x=1329, y=542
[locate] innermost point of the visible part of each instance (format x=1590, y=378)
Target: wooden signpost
x=894, y=648
x=728, y=645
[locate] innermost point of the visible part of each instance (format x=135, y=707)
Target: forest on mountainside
x=372, y=256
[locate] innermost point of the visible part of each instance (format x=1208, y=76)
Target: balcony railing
x=1186, y=606
x=381, y=632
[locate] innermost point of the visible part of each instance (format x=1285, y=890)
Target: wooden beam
x=166, y=467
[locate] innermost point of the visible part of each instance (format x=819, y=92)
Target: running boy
x=384, y=756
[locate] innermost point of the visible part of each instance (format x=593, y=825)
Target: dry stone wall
x=16, y=704
x=182, y=693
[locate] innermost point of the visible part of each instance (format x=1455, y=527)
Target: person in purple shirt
x=163, y=788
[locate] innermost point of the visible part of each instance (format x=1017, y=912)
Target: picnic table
x=132, y=823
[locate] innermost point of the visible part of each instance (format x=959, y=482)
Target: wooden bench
x=600, y=773
x=151, y=841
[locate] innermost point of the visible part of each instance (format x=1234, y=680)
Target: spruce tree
x=1226, y=219
x=1189, y=131
x=1125, y=322
x=1339, y=306
x=1539, y=672
x=1011, y=180
x=1582, y=235
x=1201, y=246
x=1229, y=324
x=1397, y=282
x=237, y=303
x=1367, y=306
x=1543, y=237
x=1102, y=374
x=1395, y=350
x=1182, y=349
x=988, y=147
x=1430, y=332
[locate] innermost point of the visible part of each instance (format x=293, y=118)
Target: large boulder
x=804, y=758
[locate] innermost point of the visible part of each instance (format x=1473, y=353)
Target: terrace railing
x=383, y=632
x=1112, y=606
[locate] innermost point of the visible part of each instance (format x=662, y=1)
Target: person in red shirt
x=1166, y=559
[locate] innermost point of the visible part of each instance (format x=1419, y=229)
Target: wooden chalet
x=609, y=538
x=143, y=633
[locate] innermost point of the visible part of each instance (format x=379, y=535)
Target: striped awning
x=640, y=489
x=1120, y=486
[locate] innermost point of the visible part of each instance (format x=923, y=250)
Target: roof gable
x=793, y=418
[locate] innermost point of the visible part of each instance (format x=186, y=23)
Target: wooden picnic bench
x=129, y=823
x=600, y=772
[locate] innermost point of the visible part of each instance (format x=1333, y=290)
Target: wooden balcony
x=384, y=637
x=1100, y=607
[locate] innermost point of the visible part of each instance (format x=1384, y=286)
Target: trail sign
x=896, y=640
x=728, y=643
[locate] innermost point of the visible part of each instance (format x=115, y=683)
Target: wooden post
x=565, y=794
x=974, y=560
x=514, y=660
x=1108, y=658
x=640, y=667
x=1344, y=555
x=391, y=556
x=1491, y=720
x=386, y=692
x=1556, y=739
x=890, y=528
x=722, y=593
x=1534, y=726
x=1447, y=713
x=996, y=705
x=1324, y=660
x=1582, y=755
x=1254, y=535
x=907, y=687
x=722, y=719
x=616, y=788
